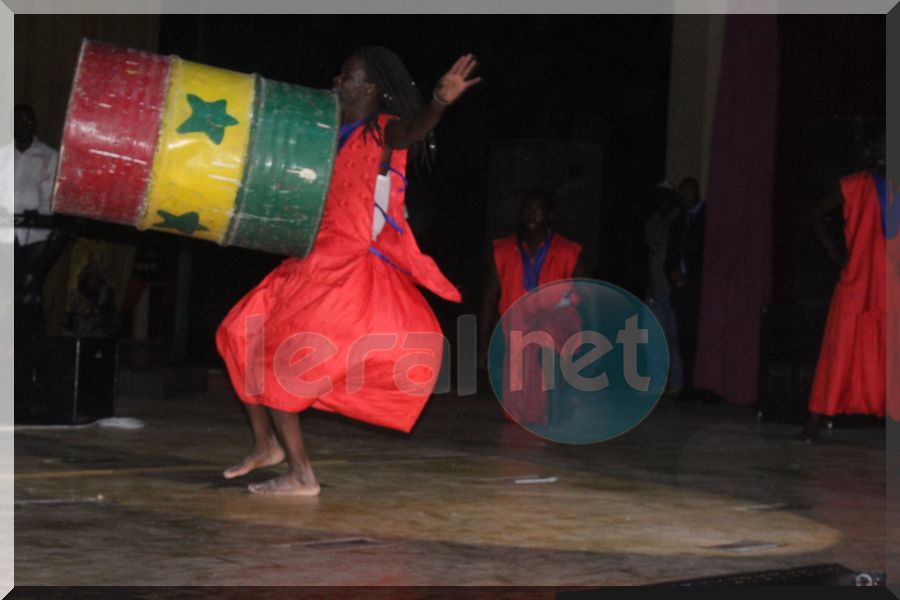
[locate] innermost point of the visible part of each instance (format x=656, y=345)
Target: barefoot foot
x=255, y=460
x=286, y=485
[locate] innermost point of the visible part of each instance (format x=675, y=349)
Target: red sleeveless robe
x=559, y=264
x=344, y=329
x=850, y=373
x=528, y=403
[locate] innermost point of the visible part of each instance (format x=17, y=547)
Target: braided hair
x=397, y=95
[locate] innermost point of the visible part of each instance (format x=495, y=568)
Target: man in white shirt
x=7, y=207
x=35, y=169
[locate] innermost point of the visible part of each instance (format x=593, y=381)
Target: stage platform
x=466, y=499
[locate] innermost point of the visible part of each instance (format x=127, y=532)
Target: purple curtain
x=737, y=278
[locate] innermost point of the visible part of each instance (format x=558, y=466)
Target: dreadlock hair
x=397, y=95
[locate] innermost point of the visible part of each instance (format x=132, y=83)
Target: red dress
x=850, y=374
x=344, y=329
x=523, y=396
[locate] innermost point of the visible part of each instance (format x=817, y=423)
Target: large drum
x=162, y=143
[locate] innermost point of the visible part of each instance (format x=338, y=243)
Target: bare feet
x=256, y=460
x=286, y=485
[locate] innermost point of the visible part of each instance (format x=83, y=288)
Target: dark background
x=597, y=78
x=602, y=79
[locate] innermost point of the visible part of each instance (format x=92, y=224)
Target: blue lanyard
x=890, y=208
x=382, y=256
x=347, y=130
x=532, y=265
x=402, y=176
x=390, y=221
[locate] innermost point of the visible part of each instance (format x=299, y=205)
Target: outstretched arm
x=403, y=133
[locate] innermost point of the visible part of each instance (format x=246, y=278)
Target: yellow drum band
x=203, y=143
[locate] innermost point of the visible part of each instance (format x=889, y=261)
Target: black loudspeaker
x=64, y=380
x=791, y=337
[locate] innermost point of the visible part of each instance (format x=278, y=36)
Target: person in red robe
x=345, y=329
x=533, y=257
x=850, y=374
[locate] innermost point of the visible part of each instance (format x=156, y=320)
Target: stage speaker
x=789, y=349
x=64, y=380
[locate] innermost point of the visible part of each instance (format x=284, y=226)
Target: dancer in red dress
x=345, y=329
x=850, y=374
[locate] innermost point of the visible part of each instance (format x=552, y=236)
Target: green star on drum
x=188, y=223
x=210, y=118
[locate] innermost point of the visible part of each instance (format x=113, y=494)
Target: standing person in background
x=850, y=374
x=658, y=297
x=35, y=169
x=684, y=267
x=534, y=256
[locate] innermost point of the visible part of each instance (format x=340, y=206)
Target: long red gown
x=344, y=329
x=850, y=374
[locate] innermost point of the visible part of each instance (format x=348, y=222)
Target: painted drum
x=163, y=143
x=288, y=171
x=110, y=133
x=203, y=143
